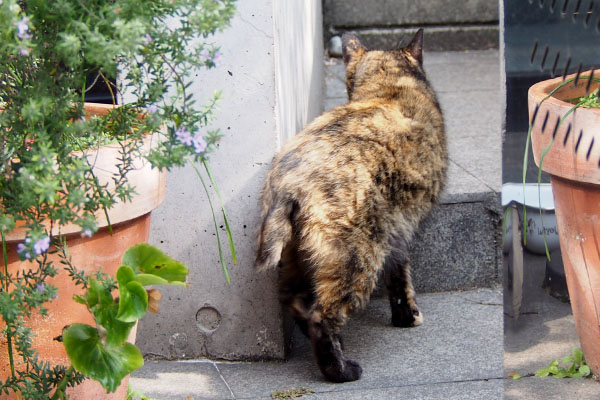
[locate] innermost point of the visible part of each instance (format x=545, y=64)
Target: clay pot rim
x=575, y=152
x=542, y=89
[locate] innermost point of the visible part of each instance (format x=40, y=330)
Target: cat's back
x=356, y=145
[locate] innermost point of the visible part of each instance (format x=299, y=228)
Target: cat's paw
x=405, y=317
x=350, y=371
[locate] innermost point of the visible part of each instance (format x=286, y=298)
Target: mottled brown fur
x=344, y=197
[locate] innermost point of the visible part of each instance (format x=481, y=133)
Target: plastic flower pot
x=130, y=223
x=573, y=162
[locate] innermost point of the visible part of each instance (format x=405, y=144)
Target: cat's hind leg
x=342, y=285
x=398, y=282
x=323, y=330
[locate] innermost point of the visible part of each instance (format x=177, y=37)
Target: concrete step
x=458, y=245
x=451, y=25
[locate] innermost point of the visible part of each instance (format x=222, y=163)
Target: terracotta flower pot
x=573, y=162
x=131, y=225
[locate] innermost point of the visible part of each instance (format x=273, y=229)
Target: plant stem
x=11, y=360
x=62, y=385
x=221, y=257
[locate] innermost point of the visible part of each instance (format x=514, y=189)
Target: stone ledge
x=458, y=245
x=360, y=13
x=439, y=38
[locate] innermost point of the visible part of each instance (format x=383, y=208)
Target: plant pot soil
x=573, y=163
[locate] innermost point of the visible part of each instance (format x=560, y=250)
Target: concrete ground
x=455, y=354
x=544, y=331
x=459, y=352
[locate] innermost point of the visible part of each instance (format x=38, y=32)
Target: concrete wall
x=270, y=74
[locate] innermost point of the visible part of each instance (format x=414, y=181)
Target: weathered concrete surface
x=544, y=331
x=360, y=13
x=450, y=25
x=455, y=354
x=454, y=38
x=261, y=105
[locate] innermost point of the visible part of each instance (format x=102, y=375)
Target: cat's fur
x=344, y=197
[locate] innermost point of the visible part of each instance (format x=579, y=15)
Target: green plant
x=146, y=52
x=576, y=368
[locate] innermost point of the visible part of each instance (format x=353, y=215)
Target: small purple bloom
x=24, y=51
x=42, y=245
x=40, y=287
x=152, y=108
x=216, y=56
x=21, y=248
x=147, y=39
x=22, y=28
x=86, y=233
x=184, y=136
x=199, y=144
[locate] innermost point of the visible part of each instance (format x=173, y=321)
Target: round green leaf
x=106, y=364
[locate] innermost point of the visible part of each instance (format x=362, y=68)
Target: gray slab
x=176, y=380
x=551, y=389
x=447, y=38
x=491, y=389
x=544, y=331
x=455, y=354
x=355, y=13
x=432, y=354
x=457, y=247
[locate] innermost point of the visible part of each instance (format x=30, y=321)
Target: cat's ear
x=415, y=47
x=351, y=46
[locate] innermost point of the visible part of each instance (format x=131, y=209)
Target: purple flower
x=40, y=287
x=199, y=144
x=86, y=233
x=146, y=39
x=24, y=51
x=152, y=108
x=184, y=136
x=216, y=56
x=21, y=248
x=22, y=28
x=42, y=245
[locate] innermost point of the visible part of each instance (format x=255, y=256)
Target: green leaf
x=584, y=370
x=133, y=302
x=147, y=259
x=105, y=311
x=577, y=353
x=106, y=364
x=148, y=279
x=542, y=372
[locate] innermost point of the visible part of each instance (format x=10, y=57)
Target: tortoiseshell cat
x=344, y=197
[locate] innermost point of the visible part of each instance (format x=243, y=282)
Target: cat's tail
x=275, y=232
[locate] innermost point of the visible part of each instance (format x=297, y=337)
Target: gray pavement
x=544, y=331
x=455, y=354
